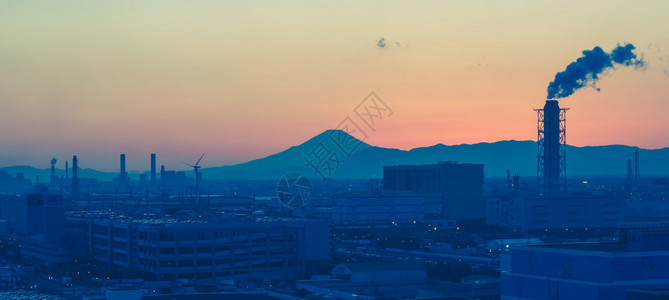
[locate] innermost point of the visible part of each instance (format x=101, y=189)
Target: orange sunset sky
x=245, y=80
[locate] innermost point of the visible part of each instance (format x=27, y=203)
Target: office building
x=460, y=185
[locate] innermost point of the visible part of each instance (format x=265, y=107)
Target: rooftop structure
x=587, y=270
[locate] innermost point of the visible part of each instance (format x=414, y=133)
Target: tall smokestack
x=628, y=182
x=162, y=174
x=551, y=154
x=75, y=180
x=52, y=178
x=123, y=174
x=153, y=168
x=636, y=166
x=66, y=170
x=551, y=146
x=508, y=178
x=53, y=168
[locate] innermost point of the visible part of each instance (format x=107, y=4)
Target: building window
x=165, y=236
x=167, y=263
x=185, y=250
x=186, y=263
x=204, y=262
x=167, y=250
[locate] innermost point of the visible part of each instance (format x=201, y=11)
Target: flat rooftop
x=595, y=247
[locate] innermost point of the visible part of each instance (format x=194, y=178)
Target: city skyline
x=243, y=81
x=384, y=149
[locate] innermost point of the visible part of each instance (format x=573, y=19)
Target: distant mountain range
x=32, y=173
x=367, y=161
x=517, y=156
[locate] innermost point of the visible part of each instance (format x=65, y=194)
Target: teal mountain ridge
x=368, y=161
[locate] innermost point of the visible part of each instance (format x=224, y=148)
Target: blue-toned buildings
x=377, y=208
x=556, y=211
x=37, y=221
x=588, y=270
x=170, y=249
x=460, y=185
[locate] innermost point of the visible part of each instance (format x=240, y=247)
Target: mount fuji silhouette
x=517, y=156
x=367, y=161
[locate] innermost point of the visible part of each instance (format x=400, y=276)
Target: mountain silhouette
x=366, y=161
x=517, y=156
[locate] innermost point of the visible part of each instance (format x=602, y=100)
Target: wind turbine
x=197, y=177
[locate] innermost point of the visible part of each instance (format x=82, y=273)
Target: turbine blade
x=198, y=161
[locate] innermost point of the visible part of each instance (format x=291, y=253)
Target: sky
x=246, y=79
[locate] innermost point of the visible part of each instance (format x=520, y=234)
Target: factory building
x=588, y=270
x=172, y=179
x=153, y=169
x=556, y=212
x=37, y=221
x=377, y=208
x=460, y=186
x=238, y=249
x=44, y=216
x=45, y=228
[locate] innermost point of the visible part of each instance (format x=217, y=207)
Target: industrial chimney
x=153, y=169
x=552, y=146
x=75, y=180
x=636, y=167
x=52, y=178
x=123, y=173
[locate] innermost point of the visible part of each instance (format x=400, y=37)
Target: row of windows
x=201, y=249
x=220, y=263
x=205, y=275
x=545, y=213
x=200, y=235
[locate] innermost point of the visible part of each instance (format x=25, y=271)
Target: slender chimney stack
x=636, y=166
x=508, y=178
x=162, y=174
x=153, y=168
x=552, y=145
x=75, y=180
x=52, y=178
x=123, y=173
x=66, y=170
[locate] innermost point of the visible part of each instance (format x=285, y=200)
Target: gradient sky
x=248, y=79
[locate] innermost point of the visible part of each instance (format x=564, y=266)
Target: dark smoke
x=586, y=70
x=381, y=43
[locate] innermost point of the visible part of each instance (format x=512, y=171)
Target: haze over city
x=245, y=80
x=377, y=150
